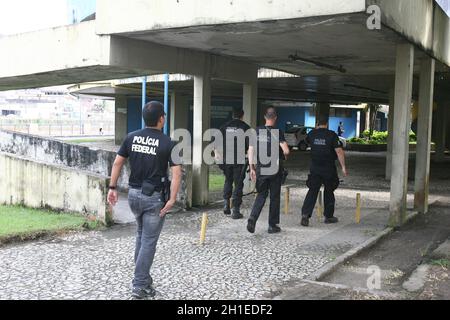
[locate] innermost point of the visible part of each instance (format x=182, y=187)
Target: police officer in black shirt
x=325, y=150
x=234, y=166
x=150, y=196
x=266, y=155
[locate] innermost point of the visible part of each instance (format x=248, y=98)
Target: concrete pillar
x=179, y=111
x=179, y=118
x=390, y=135
x=120, y=119
x=202, y=118
x=424, y=124
x=250, y=102
x=441, y=130
x=400, y=145
x=250, y=106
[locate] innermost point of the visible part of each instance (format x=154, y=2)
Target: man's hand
x=113, y=197
x=344, y=171
x=253, y=175
x=169, y=205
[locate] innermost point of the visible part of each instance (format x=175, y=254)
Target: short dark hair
x=152, y=112
x=238, y=113
x=270, y=113
x=323, y=119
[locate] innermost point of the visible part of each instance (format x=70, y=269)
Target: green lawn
x=23, y=222
x=216, y=182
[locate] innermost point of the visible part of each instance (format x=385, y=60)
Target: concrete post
x=441, y=130
x=202, y=111
x=120, y=120
x=250, y=106
x=179, y=111
x=390, y=135
x=250, y=102
x=423, y=152
x=400, y=145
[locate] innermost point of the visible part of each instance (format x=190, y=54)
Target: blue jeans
x=149, y=225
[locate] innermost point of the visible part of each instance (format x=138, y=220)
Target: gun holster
x=165, y=193
x=284, y=176
x=148, y=188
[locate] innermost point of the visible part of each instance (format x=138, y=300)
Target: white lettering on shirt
x=146, y=145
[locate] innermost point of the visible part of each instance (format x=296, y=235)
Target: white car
x=295, y=138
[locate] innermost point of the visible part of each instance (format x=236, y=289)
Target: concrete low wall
x=61, y=153
x=41, y=185
x=80, y=158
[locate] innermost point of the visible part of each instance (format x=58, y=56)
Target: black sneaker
x=305, y=221
x=274, y=229
x=251, y=226
x=331, y=220
x=226, y=208
x=139, y=293
x=236, y=214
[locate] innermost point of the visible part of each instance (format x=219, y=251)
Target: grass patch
x=216, y=182
x=20, y=222
x=444, y=263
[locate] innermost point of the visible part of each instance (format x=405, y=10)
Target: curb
x=332, y=266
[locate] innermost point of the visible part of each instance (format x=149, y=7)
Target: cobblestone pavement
x=233, y=264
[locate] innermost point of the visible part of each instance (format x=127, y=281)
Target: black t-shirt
x=323, y=143
x=267, y=135
x=149, y=152
x=230, y=132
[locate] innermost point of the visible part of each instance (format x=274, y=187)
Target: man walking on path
x=267, y=174
x=149, y=152
x=234, y=167
x=325, y=150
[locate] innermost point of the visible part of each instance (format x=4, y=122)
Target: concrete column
x=179, y=116
x=179, y=111
x=250, y=102
x=390, y=135
x=250, y=106
x=425, y=119
x=441, y=130
x=202, y=118
x=400, y=145
x=120, y=119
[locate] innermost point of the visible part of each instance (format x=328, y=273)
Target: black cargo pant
x=330, y=180
x=234, y=174
x=264, y=185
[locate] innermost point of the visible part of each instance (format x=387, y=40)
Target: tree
x=373, y=111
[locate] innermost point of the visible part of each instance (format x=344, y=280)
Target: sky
x=18, y=16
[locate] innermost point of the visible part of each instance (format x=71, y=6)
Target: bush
x=378, y=137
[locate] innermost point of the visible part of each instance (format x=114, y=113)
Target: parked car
x=295, y=138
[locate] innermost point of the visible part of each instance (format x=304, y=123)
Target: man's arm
x=113, y=195
x=174, y=188
x=285, y=147
x=341, y=156
x=252, y=162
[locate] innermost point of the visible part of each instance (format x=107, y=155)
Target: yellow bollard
x=358, y=208
x=286, y=200
x=320, y=206
x=203, y=228
x=230, y=204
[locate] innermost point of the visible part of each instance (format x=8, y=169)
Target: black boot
x=274, y=229
x=226, y=208
x=331, y=220
x=237, y=214
x=305, y=221
x=251, y=225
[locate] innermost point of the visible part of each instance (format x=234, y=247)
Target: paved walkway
x=233, y=264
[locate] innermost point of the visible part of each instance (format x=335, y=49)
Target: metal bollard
x=358, y=208
x=203, y=228
x=286, y=200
